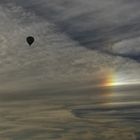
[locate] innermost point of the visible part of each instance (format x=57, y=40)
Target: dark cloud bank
x=106, y=25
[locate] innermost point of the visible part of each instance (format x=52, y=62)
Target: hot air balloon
x=30, y=40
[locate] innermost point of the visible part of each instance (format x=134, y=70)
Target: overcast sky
x=80, y=76
x=75, y=40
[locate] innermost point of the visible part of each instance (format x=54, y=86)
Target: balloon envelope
x=30, y=40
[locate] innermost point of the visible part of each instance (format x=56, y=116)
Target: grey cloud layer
x=94, y=24
x=40, y=106
x=61, y=56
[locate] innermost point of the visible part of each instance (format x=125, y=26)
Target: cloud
x=93, y=24
x=55, y=88
x=127, y=48
x=56, y=56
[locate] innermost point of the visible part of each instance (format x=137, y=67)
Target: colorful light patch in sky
x=114, y=79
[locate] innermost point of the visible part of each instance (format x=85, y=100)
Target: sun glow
x=112, y=84
x=112, y=79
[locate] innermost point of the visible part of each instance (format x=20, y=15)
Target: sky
x=81, y=76
x=75, y=41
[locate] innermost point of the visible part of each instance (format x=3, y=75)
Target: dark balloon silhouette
x=30, y=40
